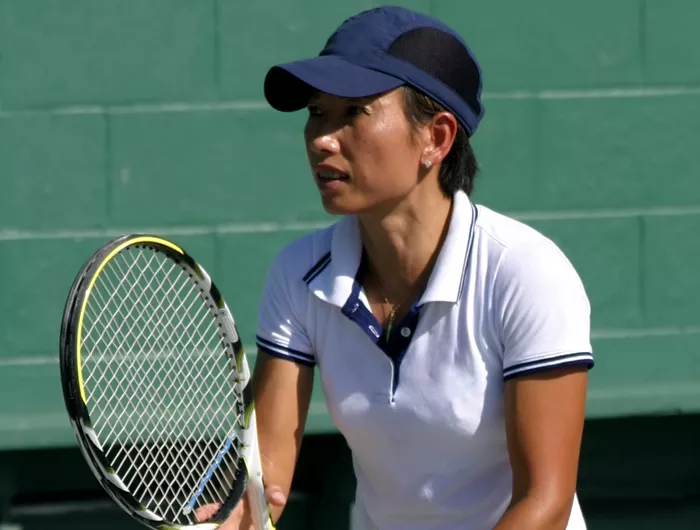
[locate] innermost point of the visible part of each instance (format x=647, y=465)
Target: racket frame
x=248, y=479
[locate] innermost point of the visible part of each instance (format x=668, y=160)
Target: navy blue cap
x=381, y=49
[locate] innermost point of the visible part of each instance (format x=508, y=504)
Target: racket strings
x=141, y=360
x=171, y=419
x=196, y=375
x=160, y=390
x=125, y=299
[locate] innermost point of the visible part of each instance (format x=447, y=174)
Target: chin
x=337, y=206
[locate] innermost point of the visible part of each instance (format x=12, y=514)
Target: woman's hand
x=282, y=392
x=240, y=518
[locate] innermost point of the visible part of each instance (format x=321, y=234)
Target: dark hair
x=459, y=168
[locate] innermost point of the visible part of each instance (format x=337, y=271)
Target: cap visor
x=289, y=86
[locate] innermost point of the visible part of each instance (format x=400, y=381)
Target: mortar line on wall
x=662, y=211
x=642, y=267
x=669, y=331
x=55, y=111
x=538, y=148
x=216, y=267
x=217, y=48
x=672, y=388
x=597, y=93
x=108, y=167
x=251, y=228
x=137, y=108
x=302, y=226
x=1, y=77
x=47, y=359
x=189, y=107
x=643, y=37
x=604, y=93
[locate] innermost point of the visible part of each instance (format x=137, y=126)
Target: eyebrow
x=362, y=101
x=316, y=95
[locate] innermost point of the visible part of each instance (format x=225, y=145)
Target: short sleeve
x=543, y=310
x=280, y=329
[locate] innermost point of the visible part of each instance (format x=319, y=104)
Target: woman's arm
x=282, y=391
x=544, y=424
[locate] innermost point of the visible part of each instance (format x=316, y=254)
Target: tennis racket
x=155, y=382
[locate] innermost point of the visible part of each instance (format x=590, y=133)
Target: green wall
x=148, y=115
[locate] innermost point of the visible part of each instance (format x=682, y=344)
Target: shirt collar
x=447, y=279
x=446, y=282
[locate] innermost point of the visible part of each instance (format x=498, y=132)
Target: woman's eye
x=351, y=110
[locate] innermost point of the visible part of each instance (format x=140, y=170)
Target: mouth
x=330, y=175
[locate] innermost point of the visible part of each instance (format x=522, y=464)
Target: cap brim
x=288, y=87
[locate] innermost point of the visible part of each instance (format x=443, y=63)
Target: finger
x=275, y=496
x=204, y=513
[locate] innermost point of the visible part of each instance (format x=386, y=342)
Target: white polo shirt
x=424, y=414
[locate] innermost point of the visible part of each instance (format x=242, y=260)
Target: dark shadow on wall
x=636, y=473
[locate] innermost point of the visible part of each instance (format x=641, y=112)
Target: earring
x=427, y=164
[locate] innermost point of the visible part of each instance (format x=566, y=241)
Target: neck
x=403, y=242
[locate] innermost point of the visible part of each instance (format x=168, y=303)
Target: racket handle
x=259, y=508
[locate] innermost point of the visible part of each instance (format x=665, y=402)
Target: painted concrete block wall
x=149, y=116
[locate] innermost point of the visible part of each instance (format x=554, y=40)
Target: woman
x=452, y=342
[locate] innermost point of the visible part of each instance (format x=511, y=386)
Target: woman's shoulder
x=300, y=256
x=507, y=231
x=521, y=249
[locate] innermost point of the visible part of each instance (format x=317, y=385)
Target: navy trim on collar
x=446, y=282
x=335, y=284
x=318, y=268
x=472, y=229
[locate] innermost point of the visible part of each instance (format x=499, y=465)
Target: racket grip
x=259, y=508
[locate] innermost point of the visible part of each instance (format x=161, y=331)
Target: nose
x=324, y=144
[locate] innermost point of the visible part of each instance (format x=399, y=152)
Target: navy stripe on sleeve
x=549, y=363
x=284, y=352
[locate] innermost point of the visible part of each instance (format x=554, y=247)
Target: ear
x=442, y=131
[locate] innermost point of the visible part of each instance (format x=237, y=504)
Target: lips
x=329, y=176
x=326, y=173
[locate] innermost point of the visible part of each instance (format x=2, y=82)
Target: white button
x=405, y=332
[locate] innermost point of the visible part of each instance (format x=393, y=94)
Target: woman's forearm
x=532, y=513
x=282, y=393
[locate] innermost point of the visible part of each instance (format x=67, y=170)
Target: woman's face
x=362, y=152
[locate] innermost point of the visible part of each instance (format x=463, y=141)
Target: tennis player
x=452, y=342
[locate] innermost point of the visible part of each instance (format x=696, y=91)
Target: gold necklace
x=394, y=308
x=392, y=314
